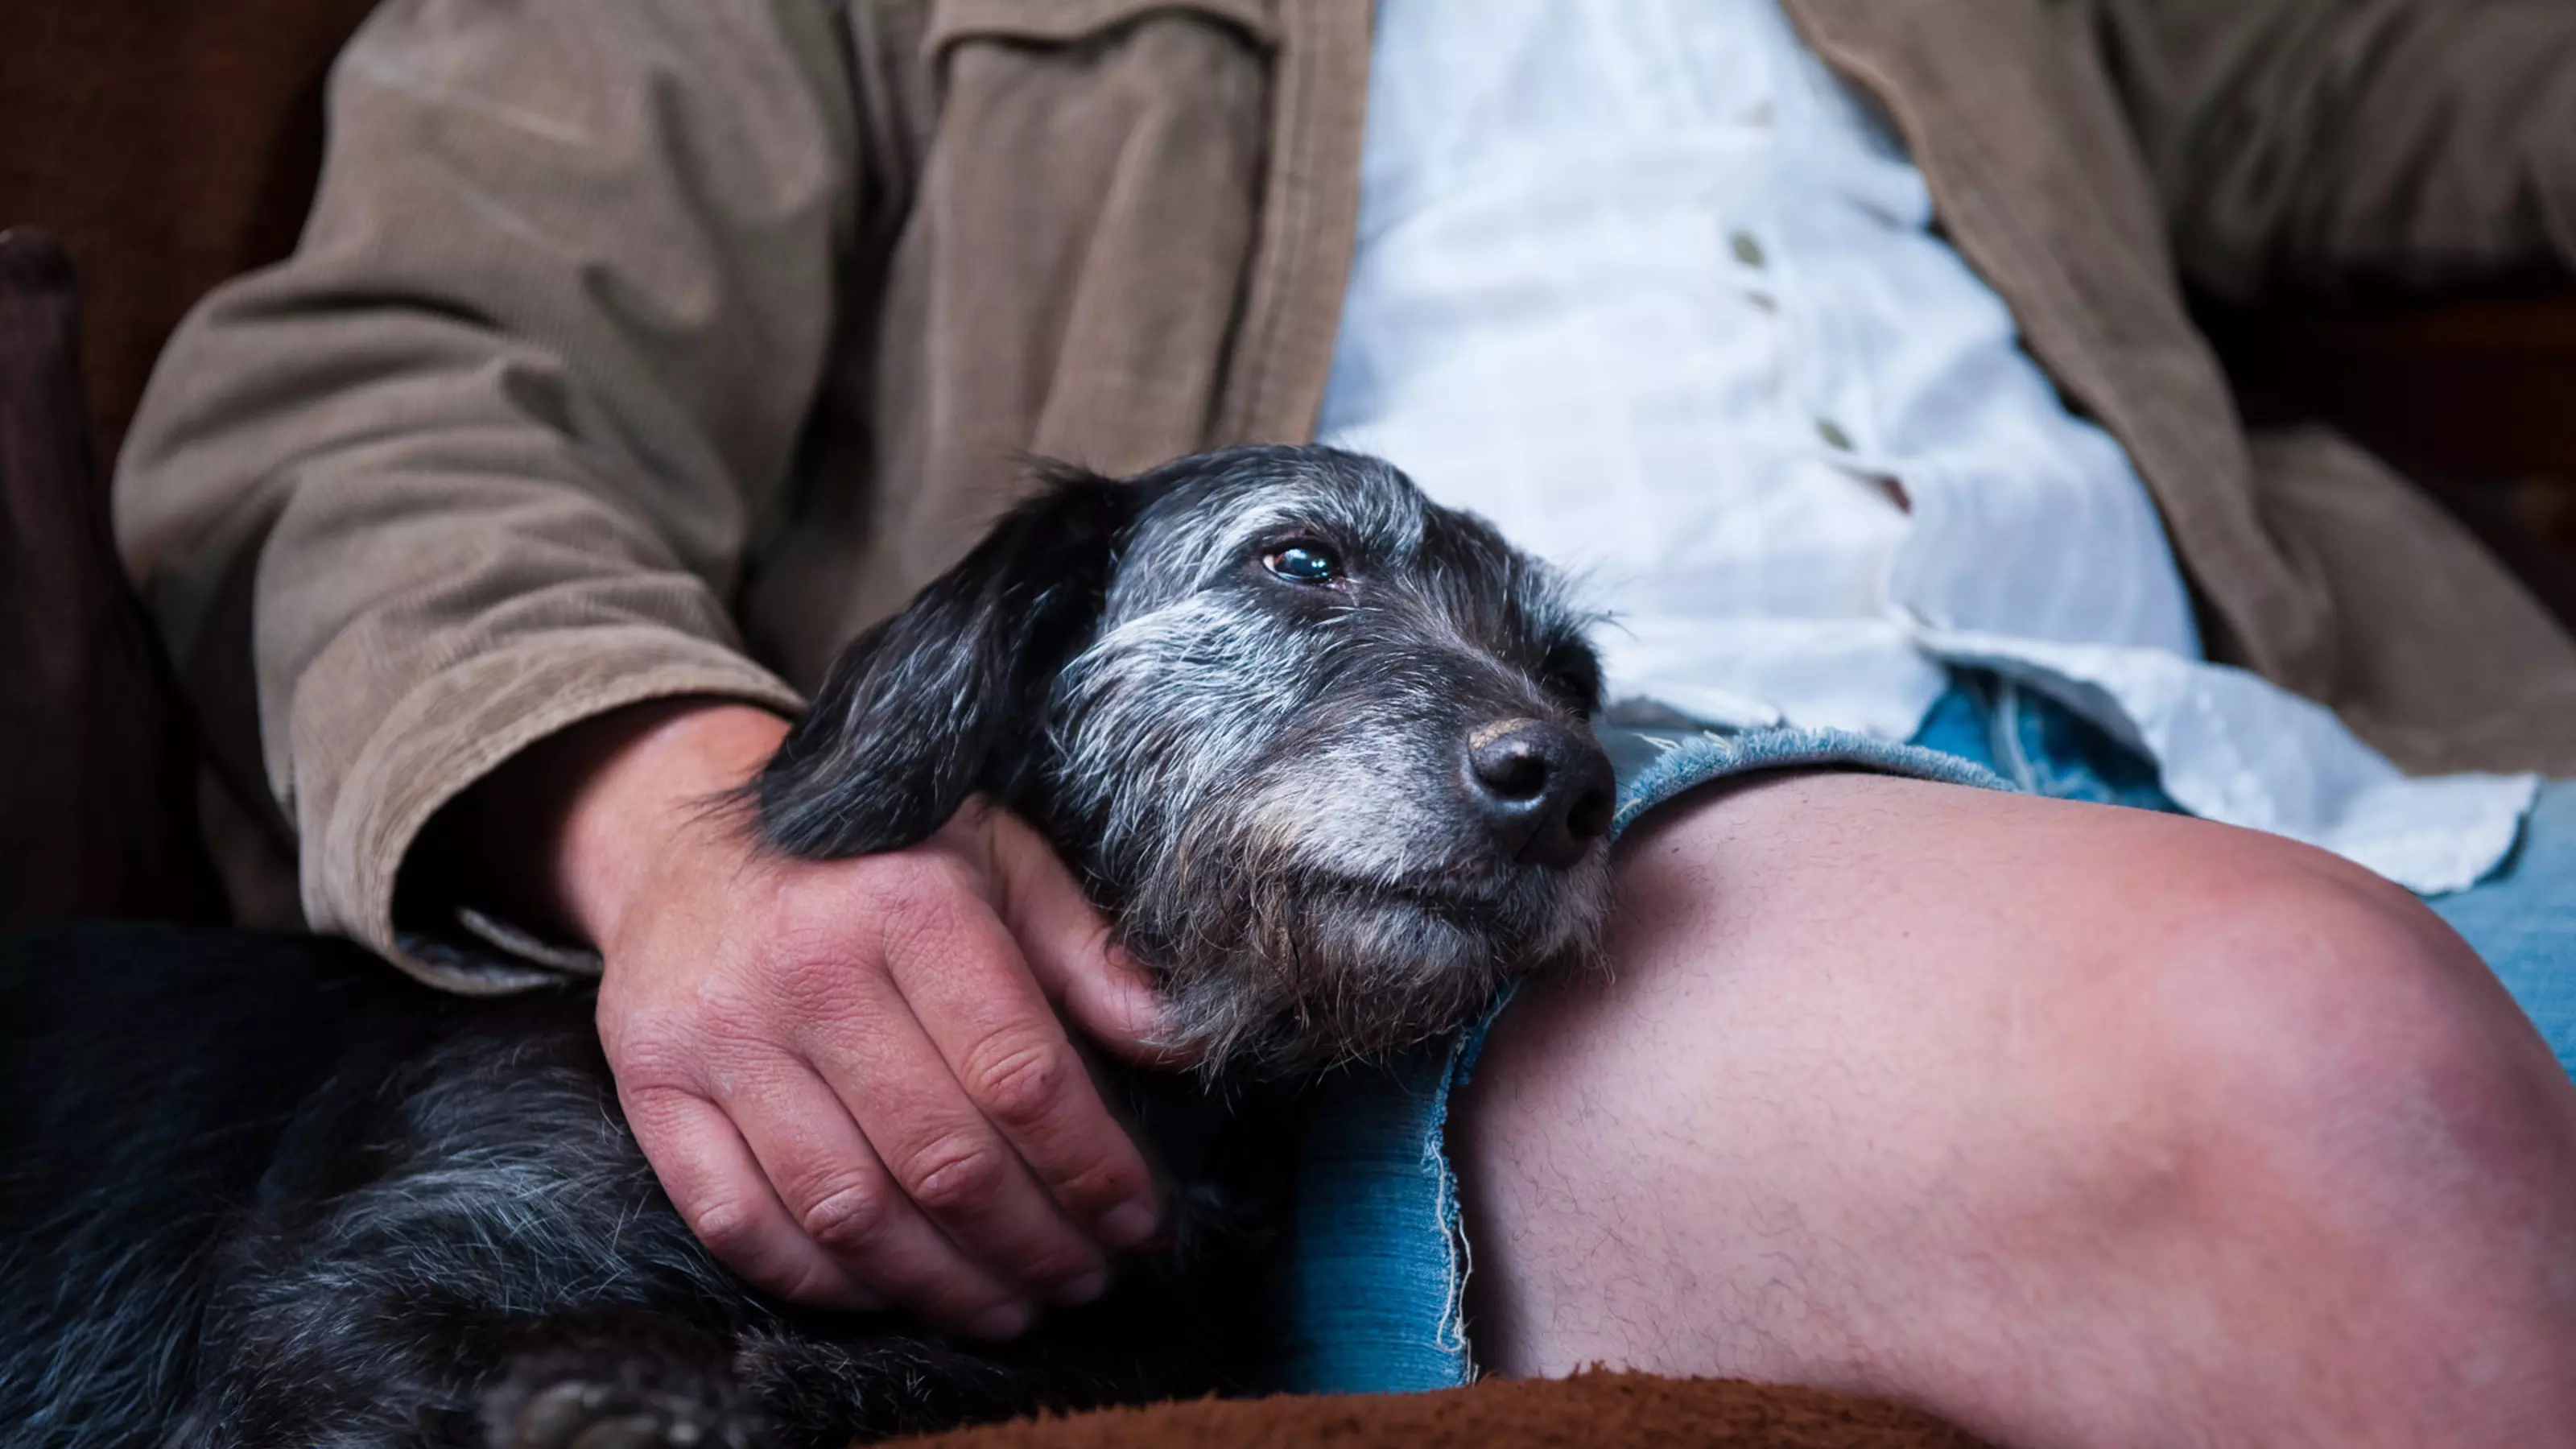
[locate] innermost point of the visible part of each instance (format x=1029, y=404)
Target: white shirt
x=1647, y=285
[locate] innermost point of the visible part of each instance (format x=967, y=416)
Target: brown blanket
x=1631, y=1410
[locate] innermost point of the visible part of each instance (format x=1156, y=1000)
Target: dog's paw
x=588, y=1414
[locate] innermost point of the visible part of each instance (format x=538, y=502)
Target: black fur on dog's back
x=264, y=1190
x=132, y=1141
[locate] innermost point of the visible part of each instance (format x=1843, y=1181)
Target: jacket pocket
x=1067, y=22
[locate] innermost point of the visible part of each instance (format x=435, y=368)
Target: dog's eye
x=1573, y=675
x=1304, y=563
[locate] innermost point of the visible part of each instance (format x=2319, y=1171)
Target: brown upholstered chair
x=168, y=147
x=98, y=766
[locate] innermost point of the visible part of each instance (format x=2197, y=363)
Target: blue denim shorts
x=1378, y=1273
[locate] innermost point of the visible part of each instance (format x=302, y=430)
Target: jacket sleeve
x=479, y=459
x=2314, y=141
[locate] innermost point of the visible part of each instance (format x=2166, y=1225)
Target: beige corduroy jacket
x=641, y=348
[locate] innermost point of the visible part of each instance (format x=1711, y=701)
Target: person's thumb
x=1069, y=949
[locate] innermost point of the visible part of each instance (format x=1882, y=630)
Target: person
x=637, y=352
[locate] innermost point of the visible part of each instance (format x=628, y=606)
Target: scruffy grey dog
x=1318, y=747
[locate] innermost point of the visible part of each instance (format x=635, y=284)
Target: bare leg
x=2074, y=1124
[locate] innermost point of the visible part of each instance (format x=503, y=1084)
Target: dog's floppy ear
x=949, y=696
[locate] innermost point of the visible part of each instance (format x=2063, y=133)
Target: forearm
x=490, y=442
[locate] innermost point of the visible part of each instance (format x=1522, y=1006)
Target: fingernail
x=1129, y=1223
x=1083, y=1289
x=1009, y=1320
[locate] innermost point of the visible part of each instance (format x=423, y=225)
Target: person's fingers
x=721, y=1192
x=843, y=1200
x=974, y=997
x=932, y=1136
x=1068, y=946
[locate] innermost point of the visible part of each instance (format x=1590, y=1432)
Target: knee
x=2324, y=1066
x=2311, y=1001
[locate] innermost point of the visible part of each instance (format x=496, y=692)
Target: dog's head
x=1318, y=745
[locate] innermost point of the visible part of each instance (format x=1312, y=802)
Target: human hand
x=851, y=1075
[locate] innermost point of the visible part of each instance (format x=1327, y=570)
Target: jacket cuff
x=459, y=725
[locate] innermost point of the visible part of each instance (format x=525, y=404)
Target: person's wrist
x=636, y=785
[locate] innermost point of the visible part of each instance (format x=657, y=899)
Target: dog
x=1318, y=747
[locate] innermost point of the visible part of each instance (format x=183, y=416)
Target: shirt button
x=1833, y=434
x=1747, y=250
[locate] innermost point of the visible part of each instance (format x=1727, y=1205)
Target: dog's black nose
x=1544, y=790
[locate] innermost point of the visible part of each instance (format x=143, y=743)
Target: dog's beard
x=1280, y=949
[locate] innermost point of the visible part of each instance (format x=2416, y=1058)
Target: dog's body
x=263, y=1190
x=1317, y=747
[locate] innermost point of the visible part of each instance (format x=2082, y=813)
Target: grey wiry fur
x=1262, y=781
x=266, y=1190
